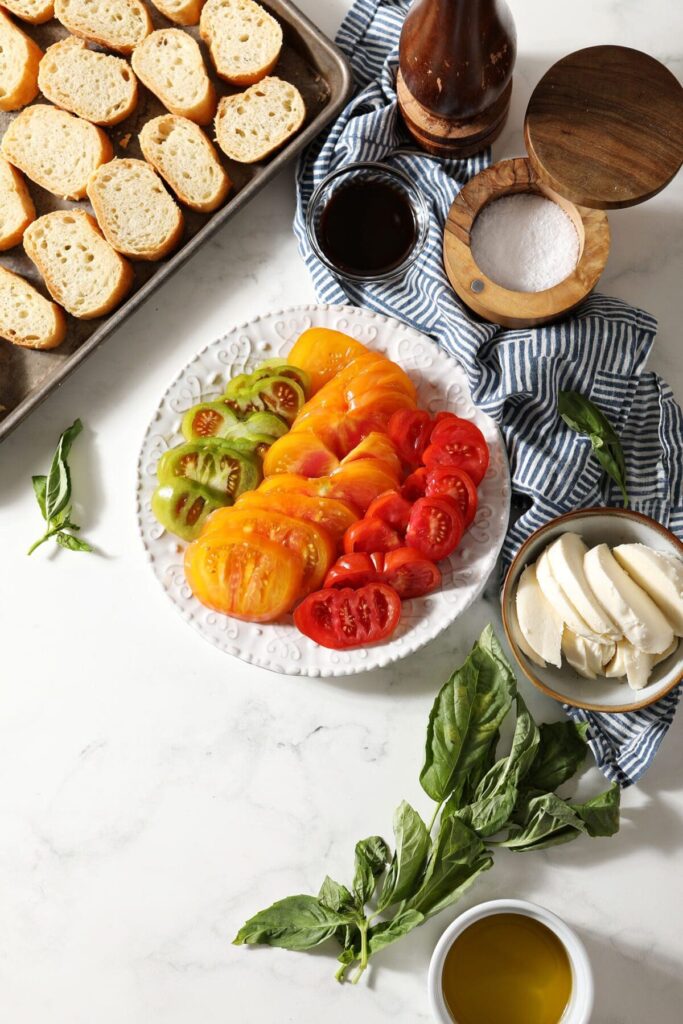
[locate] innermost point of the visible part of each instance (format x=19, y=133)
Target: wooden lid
x=604, y=127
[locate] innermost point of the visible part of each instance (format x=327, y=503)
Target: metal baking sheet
x=308, y=60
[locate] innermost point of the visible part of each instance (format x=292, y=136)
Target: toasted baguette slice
x=33, y=11
x=169, y=63
x=134, y=211
x=16, y=206
x=26, y=317
x=81, y=270
x=182, y=12
x=19, y=60
x=96, y=86
x=252, y=124
x=116, y=24
x=186, y=160
x=55, y=149
x=244, y=40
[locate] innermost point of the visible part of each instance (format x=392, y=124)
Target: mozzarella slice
x=586, y=656
x=519, y=637
x=540, y=625
x=630, y=662
x=566, y=556
x=555, y=595
x=660, y=576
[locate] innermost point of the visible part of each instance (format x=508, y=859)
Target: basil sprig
x=583, y=416
x=477, y=796
x=53, y=494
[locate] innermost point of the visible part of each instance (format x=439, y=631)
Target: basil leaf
x=561, y=750
x=39, y=488
x=71, y=543
x=583, y=416
x=465, y=718
x=386, y=932
x=297, y=922
x=410, y=853
x=335, y=896
x=457, y=857
x=58, y=484
x=371, y=857
x=600, y=815
x=545, y=820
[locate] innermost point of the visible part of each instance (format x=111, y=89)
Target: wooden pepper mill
x=455, y=73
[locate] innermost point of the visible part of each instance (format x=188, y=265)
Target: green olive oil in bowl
x=507, y=969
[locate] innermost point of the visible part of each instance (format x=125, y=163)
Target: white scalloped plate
x=441, y=384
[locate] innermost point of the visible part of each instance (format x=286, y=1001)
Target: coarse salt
x=525, y=243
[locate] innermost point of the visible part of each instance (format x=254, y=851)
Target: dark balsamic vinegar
x=367, y=227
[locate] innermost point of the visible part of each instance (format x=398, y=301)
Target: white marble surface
x=155, y=792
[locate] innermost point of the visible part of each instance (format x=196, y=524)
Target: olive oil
x=507, y=969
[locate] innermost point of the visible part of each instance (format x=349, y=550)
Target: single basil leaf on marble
x=386, y=932
x=465, y=717
x=335, y=896
x=457, y=857
x=600, y=814
x=560, y=753
x=544, y=820
x=297, y=923
x=411, y=848
x=371, y=856
x=58, y=484
x=584, y=417
x=39, y=489
x=66, y=540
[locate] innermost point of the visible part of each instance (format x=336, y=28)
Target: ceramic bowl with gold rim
x=610, y=526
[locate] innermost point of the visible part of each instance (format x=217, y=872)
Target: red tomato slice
x=467, y=453
x=436, y=527
x=410, y=430
x=409, y=573
x=392, y=508
x=447, y=423
x=349, y=618
x=371, y=535
x=414, y=486
x=356, y=570
x=456, y=484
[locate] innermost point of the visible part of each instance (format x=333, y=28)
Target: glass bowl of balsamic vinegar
x=367, y=222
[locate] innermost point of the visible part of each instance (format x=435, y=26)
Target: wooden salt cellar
x=455, y=73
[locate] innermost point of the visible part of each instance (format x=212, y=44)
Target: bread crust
x=151, y=154
x=8, y=279
x=26, y=89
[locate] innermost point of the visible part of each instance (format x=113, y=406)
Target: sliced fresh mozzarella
x=538, y=621
x=626, y=603
x=555, y=595
x=630, y=662
x=586, y=656
x=519, y=637
x=660, y=576
x=659, y=658
x=566, y=556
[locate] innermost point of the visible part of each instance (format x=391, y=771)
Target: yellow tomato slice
x=299, y=452
x=322, y=353
x=334, y=516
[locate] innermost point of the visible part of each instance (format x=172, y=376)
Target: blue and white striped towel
x=514, y=375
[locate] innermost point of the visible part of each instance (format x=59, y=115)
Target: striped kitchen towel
x=514, y=375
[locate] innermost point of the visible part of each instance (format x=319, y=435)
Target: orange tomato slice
x=244, y=576
x=322, y=353
x=356, y=484
x=377, y=446
x=334, y=516
x=299, y=452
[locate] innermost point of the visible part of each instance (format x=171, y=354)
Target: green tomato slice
x=279, y=395
x=182, y=507
x=207, y=419
x=212, y=464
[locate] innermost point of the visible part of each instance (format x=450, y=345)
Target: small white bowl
x=596, y=526
x=580, y=1006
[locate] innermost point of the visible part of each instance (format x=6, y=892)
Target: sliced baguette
x=33, y=11
x=169, y=63
x=19, y=60
x=136, y=214
x=186, y=160
x=182, y=12
x=16, y=206
x=244, y=40
x=115, y=24
x=26, y=317
x=81, y=270
x=253, y=124
x=93, y=85
x=55, y=149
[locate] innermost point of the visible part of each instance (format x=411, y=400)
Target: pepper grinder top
x=455, y=73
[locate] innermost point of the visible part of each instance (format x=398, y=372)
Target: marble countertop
x=155, y=792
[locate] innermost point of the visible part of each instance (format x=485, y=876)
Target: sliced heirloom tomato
x=405, y=569
x=322, y=353
x=355, y=484
x=410, y=430
x=349, y=618
x=436, y=527
x=415, y=485
x=379, y=446
x=301, y=452
x=392, y=508
x=459, y=444
x=312, y=543
x=371, y=535
x=333, y=516
x=454, y=483
x=280, y=395
x=207, y=419
x=183, y=506
x=215, y=465
x=356, y=570
x=248, y=577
